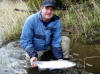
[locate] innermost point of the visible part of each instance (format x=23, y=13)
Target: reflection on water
x=78, y=53
x=95, y=68
x=16, y=63
x=36, y=71
x=92, y=64
x=48, y=56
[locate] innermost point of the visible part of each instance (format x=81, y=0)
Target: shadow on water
x=45, y=57
x=77, y=54
x=35, y=71
x=56, y=71
x=49, y=56
x=88, y=56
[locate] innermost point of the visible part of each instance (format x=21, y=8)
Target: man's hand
x=32, y=60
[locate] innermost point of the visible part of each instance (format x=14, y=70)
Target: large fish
x=54, y=64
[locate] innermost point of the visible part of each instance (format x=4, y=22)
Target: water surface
x=78, y=53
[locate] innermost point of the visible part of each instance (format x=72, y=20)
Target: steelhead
x=55, y=64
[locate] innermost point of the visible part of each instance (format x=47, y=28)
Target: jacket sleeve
x=56, y=41
x=26, y=38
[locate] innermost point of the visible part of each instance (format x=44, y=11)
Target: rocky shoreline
x=12, y=59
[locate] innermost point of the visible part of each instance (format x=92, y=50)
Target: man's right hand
x=32, y=60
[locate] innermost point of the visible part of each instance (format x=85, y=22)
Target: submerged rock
x=12, y=59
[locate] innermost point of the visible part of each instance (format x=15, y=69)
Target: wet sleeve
x=56, y=41
x=57, y=51
x=26, y=38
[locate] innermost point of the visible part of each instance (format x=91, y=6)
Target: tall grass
x=11, y=20
x=84, y=21
x=80, y=21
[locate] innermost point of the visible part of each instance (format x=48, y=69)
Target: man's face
x=47, y=12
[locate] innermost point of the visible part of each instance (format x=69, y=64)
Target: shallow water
x=12, y=60
x=77, y=54
x=88, y=56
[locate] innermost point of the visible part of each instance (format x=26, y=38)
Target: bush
x=34, y=4
x=61, y=4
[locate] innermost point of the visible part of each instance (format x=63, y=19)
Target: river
x=88, y=55
x=12, y=60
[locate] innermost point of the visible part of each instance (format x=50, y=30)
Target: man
x=42, y=30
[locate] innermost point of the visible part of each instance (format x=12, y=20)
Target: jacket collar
x=40, y=15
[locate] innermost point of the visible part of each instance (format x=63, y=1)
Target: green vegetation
x=84, y=20
x=11, y=20
x=81, y=20
x=34, y=4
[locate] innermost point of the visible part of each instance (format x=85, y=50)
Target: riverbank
x=12, y=59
